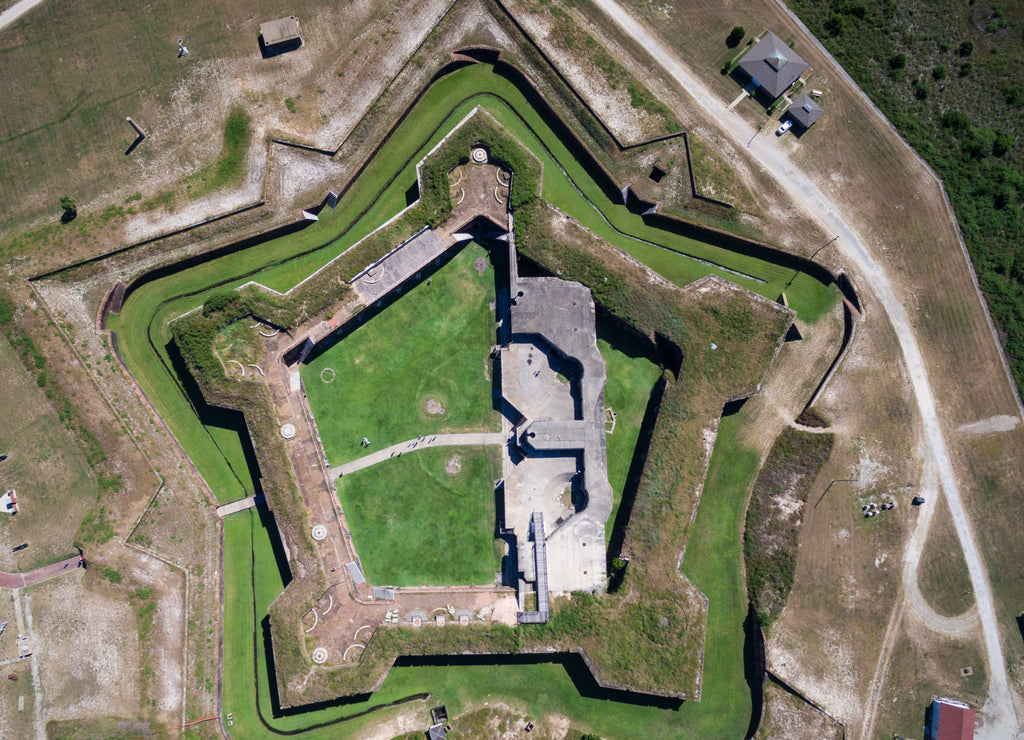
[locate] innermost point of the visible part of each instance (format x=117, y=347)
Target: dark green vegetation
x=230, y=166
x=69, y=208
x=431, y=345
x=947, y=74
x=745, y=331
x=416, y=524
x=775, y=514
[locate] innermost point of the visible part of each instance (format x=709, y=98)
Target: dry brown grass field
x=55, y=487
x=67, y=134
x=942, y=575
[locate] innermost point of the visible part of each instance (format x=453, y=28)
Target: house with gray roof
x=772, y=65
x=804, y=111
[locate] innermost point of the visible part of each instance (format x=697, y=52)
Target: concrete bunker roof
x=280, y=31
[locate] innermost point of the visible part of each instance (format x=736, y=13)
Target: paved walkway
x=471, y=439
x=38, y=575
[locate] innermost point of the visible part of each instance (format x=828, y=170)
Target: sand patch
x=453, y=466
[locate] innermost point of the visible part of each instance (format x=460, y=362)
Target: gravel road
x=998, y=718
x=17, y=10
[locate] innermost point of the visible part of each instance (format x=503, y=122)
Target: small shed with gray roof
x=772, y=65
x=805, y=111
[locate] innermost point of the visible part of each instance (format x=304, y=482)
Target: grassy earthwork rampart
x=219, y=455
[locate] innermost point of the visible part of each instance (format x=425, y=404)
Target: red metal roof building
x=949, y=719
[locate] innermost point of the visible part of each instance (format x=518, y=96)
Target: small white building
x=9, y=502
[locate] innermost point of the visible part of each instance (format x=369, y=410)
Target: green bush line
x=770, y=534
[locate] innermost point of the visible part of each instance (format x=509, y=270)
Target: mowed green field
x=143, y=334
x=714, y=554
x=631, y=378
x=432, y=344
x=416, y=524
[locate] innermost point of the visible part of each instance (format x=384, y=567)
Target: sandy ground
x=88, y=660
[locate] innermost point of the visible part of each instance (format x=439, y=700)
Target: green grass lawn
x=431, y=344
x=713, y=556
x=414, y=524
x=631, y=377
x=541, y=689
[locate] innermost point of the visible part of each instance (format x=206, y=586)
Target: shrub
x=979, y=143
x=957, y=121
x=834, y=24
x=735, y=36
x=939, y=72
x=1002, y=144
x=897, y=61
x=1014, y=95
x=966, y=48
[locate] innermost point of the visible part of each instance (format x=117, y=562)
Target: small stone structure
x=805, y=111
x=280, y=35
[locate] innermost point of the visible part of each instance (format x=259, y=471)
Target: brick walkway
x=38, y=575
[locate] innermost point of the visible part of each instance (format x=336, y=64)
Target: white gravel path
x=998, y=720
x=15, y=12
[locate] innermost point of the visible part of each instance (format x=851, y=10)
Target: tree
x=69, y=207
x=735, y=36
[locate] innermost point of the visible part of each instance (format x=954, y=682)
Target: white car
x=784, y=127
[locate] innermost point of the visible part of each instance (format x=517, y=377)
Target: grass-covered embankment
x=775, y=514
